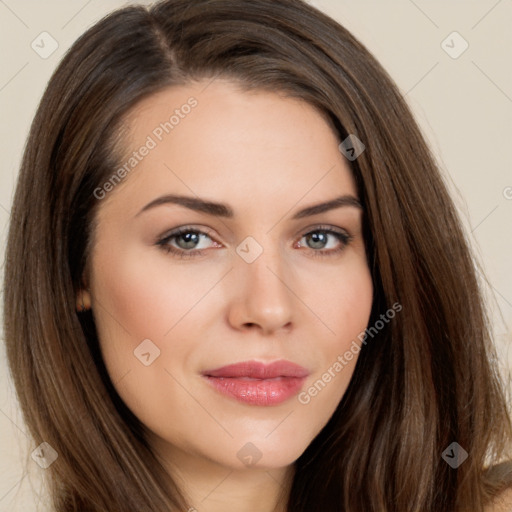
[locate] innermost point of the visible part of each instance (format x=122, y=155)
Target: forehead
x=213, y=138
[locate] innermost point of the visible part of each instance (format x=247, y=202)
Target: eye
x=319, y=239
x=186, y=239
x=184, y=242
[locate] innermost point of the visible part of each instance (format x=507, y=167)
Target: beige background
x=464, y=105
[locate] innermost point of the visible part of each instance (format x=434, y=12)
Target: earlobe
x=83, y=301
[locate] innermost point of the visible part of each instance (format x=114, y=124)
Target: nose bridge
x=264, y=296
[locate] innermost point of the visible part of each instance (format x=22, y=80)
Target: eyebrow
x=224, y=210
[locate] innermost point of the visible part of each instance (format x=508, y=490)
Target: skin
x=267, y=156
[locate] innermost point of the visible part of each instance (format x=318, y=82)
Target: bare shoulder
x=502, y=503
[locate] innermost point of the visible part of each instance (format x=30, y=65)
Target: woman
x=276, y=308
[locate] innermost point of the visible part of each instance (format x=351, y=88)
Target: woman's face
x=275, y=280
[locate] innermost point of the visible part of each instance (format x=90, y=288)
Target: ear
x=83, y=300
x=83, y=297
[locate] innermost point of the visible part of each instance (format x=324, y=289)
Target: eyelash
x=343, y=237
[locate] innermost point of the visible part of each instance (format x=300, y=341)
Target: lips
x=257, y=370
x=257, y=383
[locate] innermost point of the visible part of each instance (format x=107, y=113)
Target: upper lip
x=259, y=370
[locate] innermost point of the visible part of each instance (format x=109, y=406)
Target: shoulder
x=502, y=502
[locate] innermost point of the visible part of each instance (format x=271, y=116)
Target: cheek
x=134, y=307
x=133, y=302
x=343, y=302
x=144, y=297
x=354, y=303
x=344, y=308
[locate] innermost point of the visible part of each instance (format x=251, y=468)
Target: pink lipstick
x=256, y=383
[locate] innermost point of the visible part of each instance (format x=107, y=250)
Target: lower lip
x=258, y=391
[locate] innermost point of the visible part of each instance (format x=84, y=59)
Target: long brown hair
x=426, y=380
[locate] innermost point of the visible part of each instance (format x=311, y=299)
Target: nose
x=262, y=298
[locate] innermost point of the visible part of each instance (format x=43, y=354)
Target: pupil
x=188, y=242
x=317, y=238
